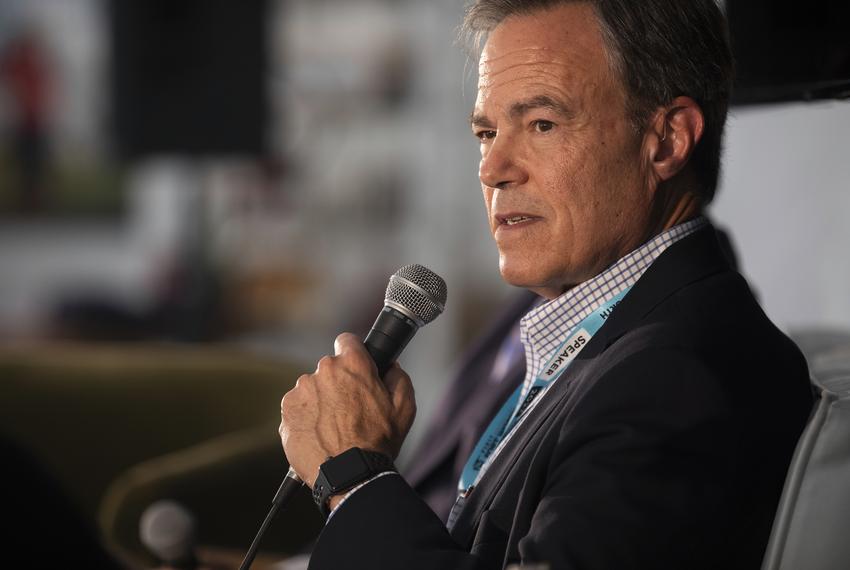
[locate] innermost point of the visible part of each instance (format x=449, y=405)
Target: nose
x=501, y=164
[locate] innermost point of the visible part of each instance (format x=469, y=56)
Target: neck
x=678, y=208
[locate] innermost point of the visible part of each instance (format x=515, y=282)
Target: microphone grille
x=168, y=530
x=419, y=290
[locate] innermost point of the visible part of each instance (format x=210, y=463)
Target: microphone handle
x=389, y=335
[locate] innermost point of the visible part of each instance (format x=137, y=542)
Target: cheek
x=585, y=195
x=487, y=193
x=573, y=184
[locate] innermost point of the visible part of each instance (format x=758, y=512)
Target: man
x=660, y=407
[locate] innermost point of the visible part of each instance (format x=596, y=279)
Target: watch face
x=345, y=470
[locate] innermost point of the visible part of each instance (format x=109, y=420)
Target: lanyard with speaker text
x=510, y=415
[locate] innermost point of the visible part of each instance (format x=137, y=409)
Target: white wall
x=785, y=197
x=42, y=262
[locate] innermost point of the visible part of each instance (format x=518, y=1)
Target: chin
x=519, y=275
x=529, y=277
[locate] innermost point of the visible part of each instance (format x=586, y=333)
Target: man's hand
x=343, y=405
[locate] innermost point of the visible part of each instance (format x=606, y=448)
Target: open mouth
x=514, y=220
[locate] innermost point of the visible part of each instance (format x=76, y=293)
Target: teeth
x=515, y=220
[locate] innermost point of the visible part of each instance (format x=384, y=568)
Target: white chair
x=812, y=526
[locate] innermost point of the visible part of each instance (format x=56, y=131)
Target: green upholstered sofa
x=120, y=426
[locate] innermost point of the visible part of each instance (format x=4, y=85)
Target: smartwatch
x=346, y=470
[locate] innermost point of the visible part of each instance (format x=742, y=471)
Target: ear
x=674, y=134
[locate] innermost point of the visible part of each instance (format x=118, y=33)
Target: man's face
x=562, y=170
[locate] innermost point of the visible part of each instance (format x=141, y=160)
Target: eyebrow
x=520, y=108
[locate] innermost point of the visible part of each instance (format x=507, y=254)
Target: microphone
x=169, y=531
x=415, y=296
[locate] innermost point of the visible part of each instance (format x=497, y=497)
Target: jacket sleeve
x=386, y=525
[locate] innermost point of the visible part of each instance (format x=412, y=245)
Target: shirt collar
x=546, y=326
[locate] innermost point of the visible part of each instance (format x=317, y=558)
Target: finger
x=347, y=341
x=350, y=346
x=324, y=363
x=399, y=386
x=282, y=432
x=402, y=399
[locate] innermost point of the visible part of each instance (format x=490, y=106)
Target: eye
x=485, y=135
x=542, y=125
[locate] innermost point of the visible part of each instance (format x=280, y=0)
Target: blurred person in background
x=660, y=407
x=25, y=76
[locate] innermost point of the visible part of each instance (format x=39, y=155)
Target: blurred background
x=197, y=196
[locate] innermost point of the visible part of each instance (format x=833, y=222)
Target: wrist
x=345, y=471
x=334, y=501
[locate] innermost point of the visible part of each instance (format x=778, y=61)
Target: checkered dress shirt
x=545, y=327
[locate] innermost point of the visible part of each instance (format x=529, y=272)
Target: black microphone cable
x=291, y=483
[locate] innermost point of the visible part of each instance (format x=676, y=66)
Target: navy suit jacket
x=664, y=445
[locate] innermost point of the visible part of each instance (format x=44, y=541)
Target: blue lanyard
x=512, y=412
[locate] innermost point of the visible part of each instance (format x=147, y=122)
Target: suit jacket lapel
x=481, y=497
x=686, y=261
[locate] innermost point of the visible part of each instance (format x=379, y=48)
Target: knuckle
x=345, y=338
x=283, y=433
x=287, y=401
x=325, y=363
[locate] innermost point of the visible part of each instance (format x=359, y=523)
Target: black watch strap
x=346, y=470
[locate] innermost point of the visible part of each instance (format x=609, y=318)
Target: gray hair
x=660, y=49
